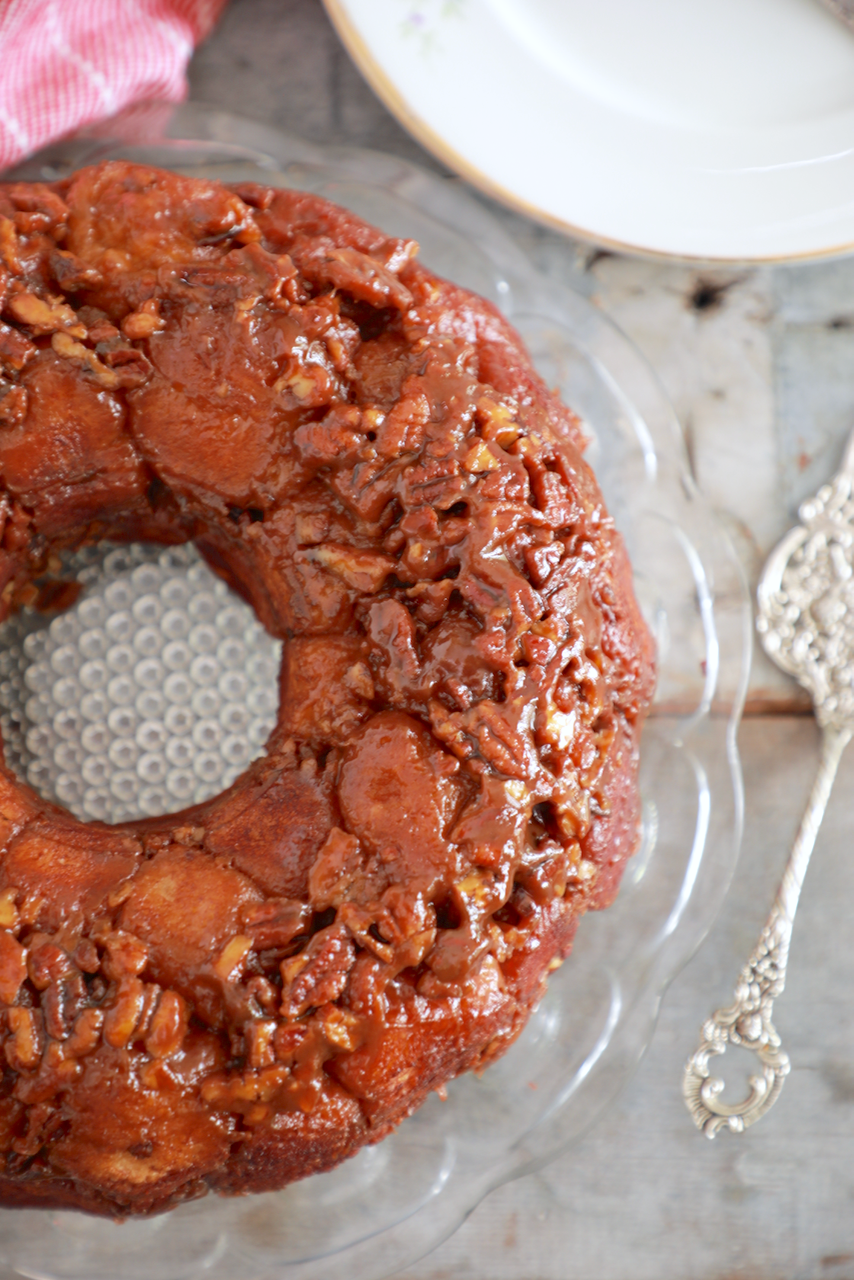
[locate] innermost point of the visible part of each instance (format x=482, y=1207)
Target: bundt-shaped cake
x=247, y=992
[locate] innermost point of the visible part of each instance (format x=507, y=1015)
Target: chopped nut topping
x=359, y=679
x=130, y=369
x=15, y=349
x=231, y=960
x=65, y=346
x=480, y=458
x=361, y=570
x=9, y=247
x=122, y=1017
x=45, y=317
x=72, y=273
x=144, y=322
x=24, y=1049
x=168, y=1025
x=260, y=1051
x=86, y=1033
x=13, y=967
x=9, y=915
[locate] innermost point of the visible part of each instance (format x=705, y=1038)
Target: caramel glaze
x=247, y=992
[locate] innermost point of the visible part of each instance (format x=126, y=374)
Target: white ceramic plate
x=714, y=129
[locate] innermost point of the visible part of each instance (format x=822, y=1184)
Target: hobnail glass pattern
x=152, y=693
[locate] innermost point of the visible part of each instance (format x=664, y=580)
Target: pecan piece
x=337, y=438
x=554, y=499
x=392, y=635
x=68, y=349
x=168, y=1025
x=486, y=729
x=13, y=404
x=13, y=967
x=72, y=273
x=402, y=429
x=340, y=1028
x=362, y=570
x=35, y=197
x=497, y=420
x=260, y=1050
x=143, y=322
x=53, y=316
x=355, y=273
x=126, y=955
x=61, y=1003
x=85, y=1034
x=362, y=925
x=15, y=349
x=47, y=963
x=229, y=964
x=277, y=922
x=9, y=247
x=310, y=377
x=480, y=458
x=124, y=1014
x=9, y=915
x=317, y=975
x=336, y=867
x=24, y=1047
x=130, y=366
x=245, y=1092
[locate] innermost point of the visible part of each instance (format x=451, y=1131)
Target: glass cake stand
x=394, y=1202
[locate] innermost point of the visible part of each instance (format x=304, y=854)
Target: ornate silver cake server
x=806, y=624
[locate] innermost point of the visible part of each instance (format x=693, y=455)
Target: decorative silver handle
x=747, y=1021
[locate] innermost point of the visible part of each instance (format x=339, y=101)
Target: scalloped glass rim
x=394, y=1202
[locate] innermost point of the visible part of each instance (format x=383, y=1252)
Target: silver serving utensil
x=842, y=9
x=806, y=624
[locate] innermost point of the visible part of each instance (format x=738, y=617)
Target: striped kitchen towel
x=66, y=63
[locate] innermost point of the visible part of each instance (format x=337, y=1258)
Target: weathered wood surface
x=760, y=366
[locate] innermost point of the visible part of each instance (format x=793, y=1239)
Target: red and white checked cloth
x=66, y=63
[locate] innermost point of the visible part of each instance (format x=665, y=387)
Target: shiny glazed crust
x=247, y=992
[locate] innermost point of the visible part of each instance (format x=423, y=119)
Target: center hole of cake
x=153, y=692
